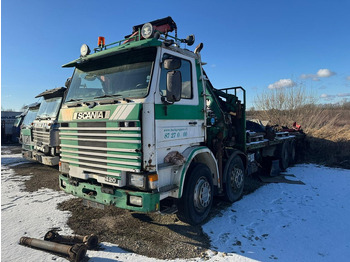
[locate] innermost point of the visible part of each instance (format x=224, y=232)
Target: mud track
x=152, y=235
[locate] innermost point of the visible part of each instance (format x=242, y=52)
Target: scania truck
x=44, y=129
x=26, y=129
x=142, y=125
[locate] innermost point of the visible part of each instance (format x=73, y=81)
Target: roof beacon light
x=84, y=50
x=147, y=30
x=101, y=42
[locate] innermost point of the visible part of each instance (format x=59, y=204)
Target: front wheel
x=197, y=197
x=234, y=178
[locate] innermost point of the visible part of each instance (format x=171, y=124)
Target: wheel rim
x=202, y=194
x=236, y=178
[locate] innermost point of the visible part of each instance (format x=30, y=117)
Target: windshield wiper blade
x=73, y=100
x=106, y=96
x=43, y=117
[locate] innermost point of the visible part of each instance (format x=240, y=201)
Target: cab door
x=180, y=124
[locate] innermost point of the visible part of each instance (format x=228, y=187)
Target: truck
x=142, y=128
x=16, y=128
x=25, y=129
x=44, y=144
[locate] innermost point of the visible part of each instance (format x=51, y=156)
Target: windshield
x=125, y=75
x=30, y=117
x=49, y=108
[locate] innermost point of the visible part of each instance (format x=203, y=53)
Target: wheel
x=284, y=156
x=292, y=152
x=233, y=178
x=197, y=197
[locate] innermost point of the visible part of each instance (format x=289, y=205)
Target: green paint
x=184, y=170
x=119, y=198
x=26, y=131
x=179, y=112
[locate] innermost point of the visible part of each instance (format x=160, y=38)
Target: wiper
x=43, y=117
x=106, y=96
x=73, y=100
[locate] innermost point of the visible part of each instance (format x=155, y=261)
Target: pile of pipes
x=73, y=247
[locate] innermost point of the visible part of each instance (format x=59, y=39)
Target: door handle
x=193, y=123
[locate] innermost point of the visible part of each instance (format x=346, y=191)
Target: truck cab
x=44, y=128
x=26, y=130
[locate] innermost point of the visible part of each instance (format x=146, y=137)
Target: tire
x=234, y=178
x=283, y=156
x=197, y=197
x=292, y=153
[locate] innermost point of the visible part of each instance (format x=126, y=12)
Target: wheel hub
x=236, y=178
x=202, y=194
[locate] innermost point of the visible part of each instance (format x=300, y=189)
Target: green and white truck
x=26, y=129
x=141, y=123
x=44, y=129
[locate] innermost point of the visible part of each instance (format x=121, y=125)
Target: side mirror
x=172, y=63
x=173, y=86
x=68, y=82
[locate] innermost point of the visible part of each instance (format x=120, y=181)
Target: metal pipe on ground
x=75, y=253
x=91, y=241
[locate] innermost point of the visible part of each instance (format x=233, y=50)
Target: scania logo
x=91, y=115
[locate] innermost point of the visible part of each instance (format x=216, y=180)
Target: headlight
x=144, y=182
x=147, y=30
x=137, y=180
x=84, y=50
x=135, y=200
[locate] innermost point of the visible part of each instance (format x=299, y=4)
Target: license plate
x=89, y=203
x=111, y=179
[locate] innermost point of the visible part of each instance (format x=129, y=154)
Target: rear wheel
x=234, y=179
x=292, y=154
x=284, y=156
x=197, y=197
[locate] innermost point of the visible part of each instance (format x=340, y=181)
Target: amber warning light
x=101, y=41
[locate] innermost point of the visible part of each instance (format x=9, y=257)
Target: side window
x=186, y=74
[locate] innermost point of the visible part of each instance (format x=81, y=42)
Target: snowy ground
x=278, y=222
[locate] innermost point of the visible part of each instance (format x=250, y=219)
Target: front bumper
x=27, y=154
x=118, y=197
x=44, y=159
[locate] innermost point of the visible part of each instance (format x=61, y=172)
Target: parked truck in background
x=26, y=129
x=44, y=129
x=142, y=123
x=16, y=128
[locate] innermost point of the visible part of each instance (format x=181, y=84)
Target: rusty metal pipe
x=91, y=241
x=76, y=253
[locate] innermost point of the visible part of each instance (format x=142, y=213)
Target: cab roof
x=114, y=50
x=55, y=92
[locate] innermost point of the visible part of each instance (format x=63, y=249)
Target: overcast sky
x=257, y=44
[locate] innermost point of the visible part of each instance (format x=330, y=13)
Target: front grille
x=40, y=135
x=100, y=149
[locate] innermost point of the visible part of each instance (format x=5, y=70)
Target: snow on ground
x=287, y=222
x=278, y=222
x=26, y=214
